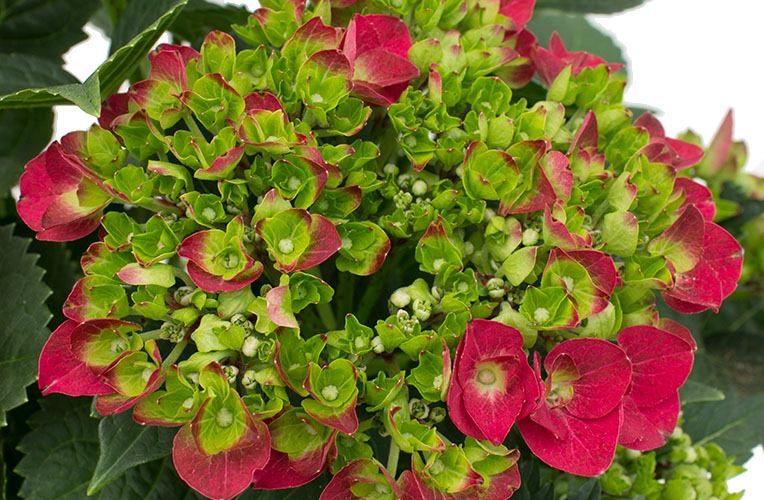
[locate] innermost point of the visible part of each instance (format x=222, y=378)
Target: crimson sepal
x=229, y=472
x=557, y=234
x=492, y=384
x=518, y=12
x=77, y=354
x=713, y=278
x=357, y=475
x=61, y=371
x=696, y=194
x=576, y=428
x=61, y=199
x=377, y=47
x=549, y=63
x=661, y=360
x=114, y=106
x=661, y=149
x=168, y=64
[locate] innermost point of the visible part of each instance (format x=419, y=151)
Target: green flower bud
x=419, y=409
x=248, y=380
x=250, y=345
x=400, y=298
x=437, y=414
x=530, y=237
x=231, y=372
x=183, y=295
x=377, y=345
x=419, y=187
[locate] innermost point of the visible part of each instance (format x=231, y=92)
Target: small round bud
x=437, y=414
x=377, y=345
x=530, y=237
x=265, y=289
x=390, y=169
x=330, y=392
x=286, y=246
x=469, y=248
x=422, y=309
x=248, y=379
x=419, y=409
x=541, y=314
x=187, y=404
x=250, y=234
x=419, y=187
x=437, y=383
x=224, y=418
x=231, y=372
x=400, y=298
x=489, y=214
x=243, y=322
x=438, y=264
x=249, y=347
x=436, y=292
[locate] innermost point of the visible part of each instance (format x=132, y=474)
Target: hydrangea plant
x=373, y=233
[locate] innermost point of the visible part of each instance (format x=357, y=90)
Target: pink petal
x=588, y=447
x=604, y=375
x=645, y=428
x=696, y=194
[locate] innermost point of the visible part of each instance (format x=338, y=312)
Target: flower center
x=286, y=246
x=486, y=376
x=294, y=183
x=224, y=418
x=541, y=315
x=230, y=260
x=330, y=392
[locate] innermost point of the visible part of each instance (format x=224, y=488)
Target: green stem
x=326, y=315
x=162, y=155
x=174, y=354
x=192, y=126
x=150, y=335
x=392, y=458
x=183, y=276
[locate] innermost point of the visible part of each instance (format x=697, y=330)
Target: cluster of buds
x=340, y=148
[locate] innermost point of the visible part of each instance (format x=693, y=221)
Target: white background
x=691, y=59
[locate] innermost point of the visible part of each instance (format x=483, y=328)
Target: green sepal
x=294, y=356
x=489, y=174
x=157, y=243
x=205, y=209
x=620, y=233
x=348, y=118
x=215, y=334
x=214, y=101
x=103, y=153
x=296, y=433
x=549, y=308
x=427, y=376
x=380, y=391
x=149, y=301
x=218, y=54
x=323, y=81
x=139, y=135
x=461, y=289
x=502, y=236
x=333, y=385
x=175, y=405
x=519, y=265
x=172, y=179
x=354, y=339
x=516, y=319
x=298, y=179
x=237, y=302
x=364, y=247
x=337, y=204
x=100, y=260
x=435, y=250
x=490, y=96
x=104, y=297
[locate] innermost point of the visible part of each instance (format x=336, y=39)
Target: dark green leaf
x=60, y=455
x=577, y=34
x=45, y=28
x=23, y=134
x=309, y=491
x=24, y=315
x=697, y=392
x=200, y=17
x=137, y=17
x=23, y=71
x=592, y=6
x=105, y=80
x=590, y=490
x=125, y=444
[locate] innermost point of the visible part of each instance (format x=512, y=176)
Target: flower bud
x=250, y=345
x=231, y=372
x=419, y=187
x=437, y=414
x=400, y=298
x=377, y=345
x=530, y=237
x=419, y=409
x=183, y=295
x=248, y=379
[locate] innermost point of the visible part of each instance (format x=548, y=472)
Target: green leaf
x=125, y=444
x=103, y=82
x=60, y=455
x=577, y=34
x=591, y=6
x=23, y=71
x=25, y=316
x=697, y=392
x=137, y=17
x=590, y=490
x=45, y=28
x=23, y=134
